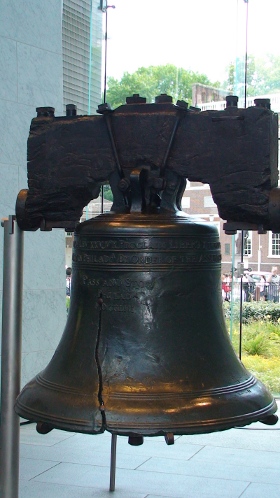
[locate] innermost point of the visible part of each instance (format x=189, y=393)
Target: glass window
x=227, y=248
x=208, y=201
x=274, y=246
x=247, y=242
x=186, y=202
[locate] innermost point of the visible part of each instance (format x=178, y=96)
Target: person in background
x=273, y=285
x=263, y=288
x=68, y=281
x=226, y=286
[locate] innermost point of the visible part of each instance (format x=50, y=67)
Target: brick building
x=260, y=251
x=204, y=93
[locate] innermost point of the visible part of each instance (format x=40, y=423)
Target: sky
x=201, y=35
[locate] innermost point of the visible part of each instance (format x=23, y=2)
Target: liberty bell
x=145, y=350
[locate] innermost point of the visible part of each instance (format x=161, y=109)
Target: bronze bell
x=145, y=350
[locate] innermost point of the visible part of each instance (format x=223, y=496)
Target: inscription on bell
x=126, y=283
x=153, y=243
x=119, y=294
x=137, y=253
x=146, y=260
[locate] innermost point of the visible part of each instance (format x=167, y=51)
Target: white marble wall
x=30, y=77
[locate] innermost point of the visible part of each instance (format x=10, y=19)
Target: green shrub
x=67, y=303
x=260, y=340
x=258, y=344
x=265, y=369
x=107, y=193
x=254, y=311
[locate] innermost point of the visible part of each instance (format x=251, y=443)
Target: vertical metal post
x=232, y=283
x=241, y=293
x=113, y=462
x=11, y=357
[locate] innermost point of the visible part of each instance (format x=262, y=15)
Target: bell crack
x=98, y=365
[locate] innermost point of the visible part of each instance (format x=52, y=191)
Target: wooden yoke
x=235, y=151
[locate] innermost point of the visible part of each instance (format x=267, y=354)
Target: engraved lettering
x=121, y=308
x=154, y=243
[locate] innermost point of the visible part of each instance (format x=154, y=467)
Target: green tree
x=267, y=74
x=155, y=80
x=263, y=75
x=107, y=193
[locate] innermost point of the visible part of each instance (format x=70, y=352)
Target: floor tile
x=37, y=490
x=143, y=482
x=212, y=469
x=30, y=468
x=236, y=456
x=256, y=439
x=95, y=450
x=87, y=456
x=29, y=435
x=238, y=463
x=261, y=491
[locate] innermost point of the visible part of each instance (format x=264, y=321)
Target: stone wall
x=31, y=76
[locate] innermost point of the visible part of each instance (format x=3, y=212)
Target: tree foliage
x=154, y=80
x=263, y=75
x=107, y=193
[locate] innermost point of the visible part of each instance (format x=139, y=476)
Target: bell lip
x=71, y=425
x=128, y=426
x=200, y=427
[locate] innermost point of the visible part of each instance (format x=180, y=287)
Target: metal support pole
x=113, y=462
x=11, y=357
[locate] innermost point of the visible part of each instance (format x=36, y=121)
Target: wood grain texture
x=234, y=150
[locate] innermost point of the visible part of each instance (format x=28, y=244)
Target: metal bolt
x=182, y=104
x=157, y=183
x=195, y=109
x=124, y=184
x=71, y=110
x=45, y=112
x=135, y=440
x=262, y=103
x=103, y=108
x=136, y=99
x=163, y=99
x=169, y=438
x=43, y=428
x=231, y=100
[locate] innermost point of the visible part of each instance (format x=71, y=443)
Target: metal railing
x=251, y=291
x=221, y=104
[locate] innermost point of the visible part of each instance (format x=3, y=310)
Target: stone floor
x=231, y=464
